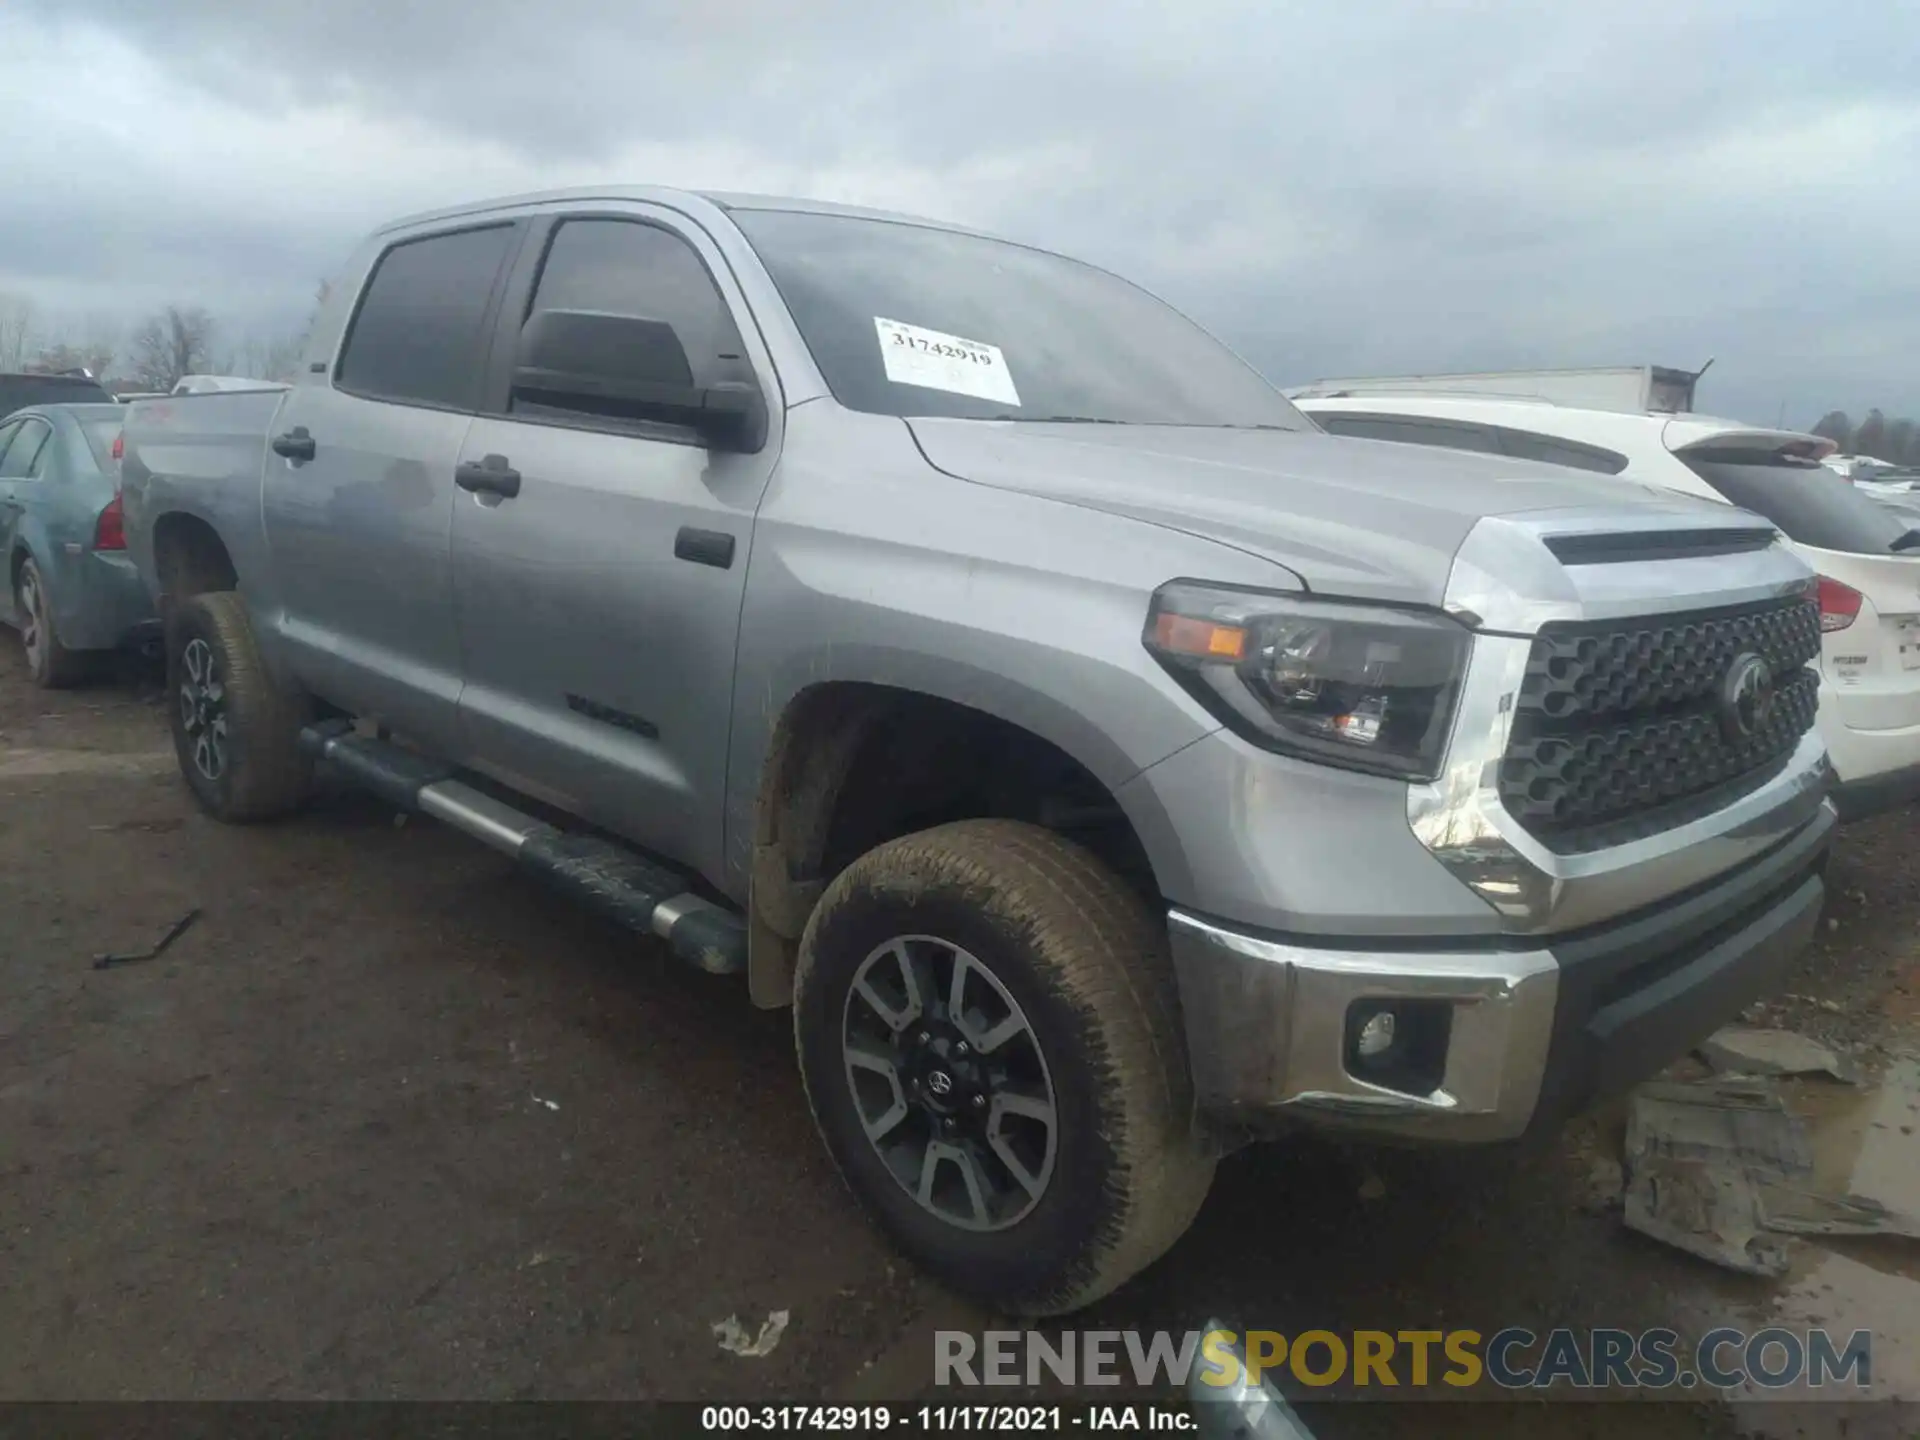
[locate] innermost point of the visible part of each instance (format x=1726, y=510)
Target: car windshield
x=1806, y=500
x=100, y=437
x=906, y=319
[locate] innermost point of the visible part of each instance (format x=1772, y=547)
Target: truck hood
x=1367, y=518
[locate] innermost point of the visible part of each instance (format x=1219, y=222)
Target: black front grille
x=1619, y=728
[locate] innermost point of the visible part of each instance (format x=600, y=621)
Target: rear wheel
x=235, y=730
x=52, y=665
x=990, y=1040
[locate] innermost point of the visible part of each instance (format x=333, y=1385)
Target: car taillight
x=120, y=446
x=1839, y=605
x=109, y=533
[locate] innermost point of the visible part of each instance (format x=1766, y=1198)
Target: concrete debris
x=1696, y=1157
x=1740, y=1050
x=1791, y=1210
x=734, y=1340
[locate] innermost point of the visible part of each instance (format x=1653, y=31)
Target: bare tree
x=88, y=344
x=264, y=357
x=19, y=328
x=170, y=344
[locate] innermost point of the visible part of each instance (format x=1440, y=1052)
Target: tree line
x=151, y=353
x=1896, y=441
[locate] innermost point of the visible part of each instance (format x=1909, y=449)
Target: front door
x=358, y=498
x=599, y=604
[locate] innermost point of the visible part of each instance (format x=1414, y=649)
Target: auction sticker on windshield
x=935, y=361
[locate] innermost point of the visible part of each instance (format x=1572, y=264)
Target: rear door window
x=1406, y=430
x=1808, y=502
x=22, y=459
x=419, y=334
x=7, y=432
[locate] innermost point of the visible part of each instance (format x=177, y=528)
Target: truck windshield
x=906, y=319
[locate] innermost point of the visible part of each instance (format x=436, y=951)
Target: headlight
x=1363, y=686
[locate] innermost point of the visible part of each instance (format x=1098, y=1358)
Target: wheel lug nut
x=979, y=1102
x=924, y=1037
x=961, y=1048
x=949, y=1123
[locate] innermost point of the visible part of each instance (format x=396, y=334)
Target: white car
x=1867, y=556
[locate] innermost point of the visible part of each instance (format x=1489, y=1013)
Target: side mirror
x=624, y=367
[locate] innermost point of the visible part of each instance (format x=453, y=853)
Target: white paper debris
x=542, y=1100
x=735, y=1342
x=936, y=361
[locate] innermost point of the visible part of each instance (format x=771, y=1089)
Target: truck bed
x=198, y=454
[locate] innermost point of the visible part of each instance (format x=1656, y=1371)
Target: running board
x=640, y=893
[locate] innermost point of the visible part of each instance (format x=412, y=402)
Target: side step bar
x=640, y=893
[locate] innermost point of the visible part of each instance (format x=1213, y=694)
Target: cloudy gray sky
x=1335, y=188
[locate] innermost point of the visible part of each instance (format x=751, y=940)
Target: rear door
x=359, y=506
x=9, y=521
x=599, y=605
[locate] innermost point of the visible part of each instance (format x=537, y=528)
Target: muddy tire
x=235, y=731
x=1054, y=1097
x=52, y=665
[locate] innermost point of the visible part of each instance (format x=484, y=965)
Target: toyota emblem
x=1746, y=697
x=939, y=1082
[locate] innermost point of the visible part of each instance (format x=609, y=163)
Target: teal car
x=71, y=589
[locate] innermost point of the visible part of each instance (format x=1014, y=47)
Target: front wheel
x=989, y=1035
x=236, y=731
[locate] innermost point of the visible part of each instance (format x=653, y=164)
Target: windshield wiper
x=1907, y=541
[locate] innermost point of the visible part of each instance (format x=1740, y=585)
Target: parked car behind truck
x=71, y=591
x=1866, y=551
x=1105, y=765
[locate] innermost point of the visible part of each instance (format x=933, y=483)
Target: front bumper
x=1540, y=1027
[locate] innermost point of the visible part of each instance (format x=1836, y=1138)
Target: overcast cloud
x=1335, y=188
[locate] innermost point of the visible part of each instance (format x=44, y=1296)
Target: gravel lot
x=389, y=1122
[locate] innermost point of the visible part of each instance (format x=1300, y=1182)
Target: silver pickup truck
x=1107, y=766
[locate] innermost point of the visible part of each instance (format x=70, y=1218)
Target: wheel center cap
x=939, y=1084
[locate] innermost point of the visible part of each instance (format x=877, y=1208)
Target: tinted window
x=23, y=455
x=1441, y=433
x=418, y=335
x=7, y=432
x=622, y=267
x=1805, y=499
x=1073, y=341
x=19, y=391
x=1525, y=445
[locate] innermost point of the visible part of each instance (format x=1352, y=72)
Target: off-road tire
x=1087, y=961
x=52, y=665
x=265, y=774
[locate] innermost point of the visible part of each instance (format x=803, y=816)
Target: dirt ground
x=390, y=1122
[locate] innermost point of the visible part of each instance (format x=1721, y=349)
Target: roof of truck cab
x=662, y=195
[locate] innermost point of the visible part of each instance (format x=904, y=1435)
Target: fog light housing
x=1399, y=1044
x=1375, y=1036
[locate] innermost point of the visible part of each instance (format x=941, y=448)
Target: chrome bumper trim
x=1266, y=1028
x=1461, y=820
